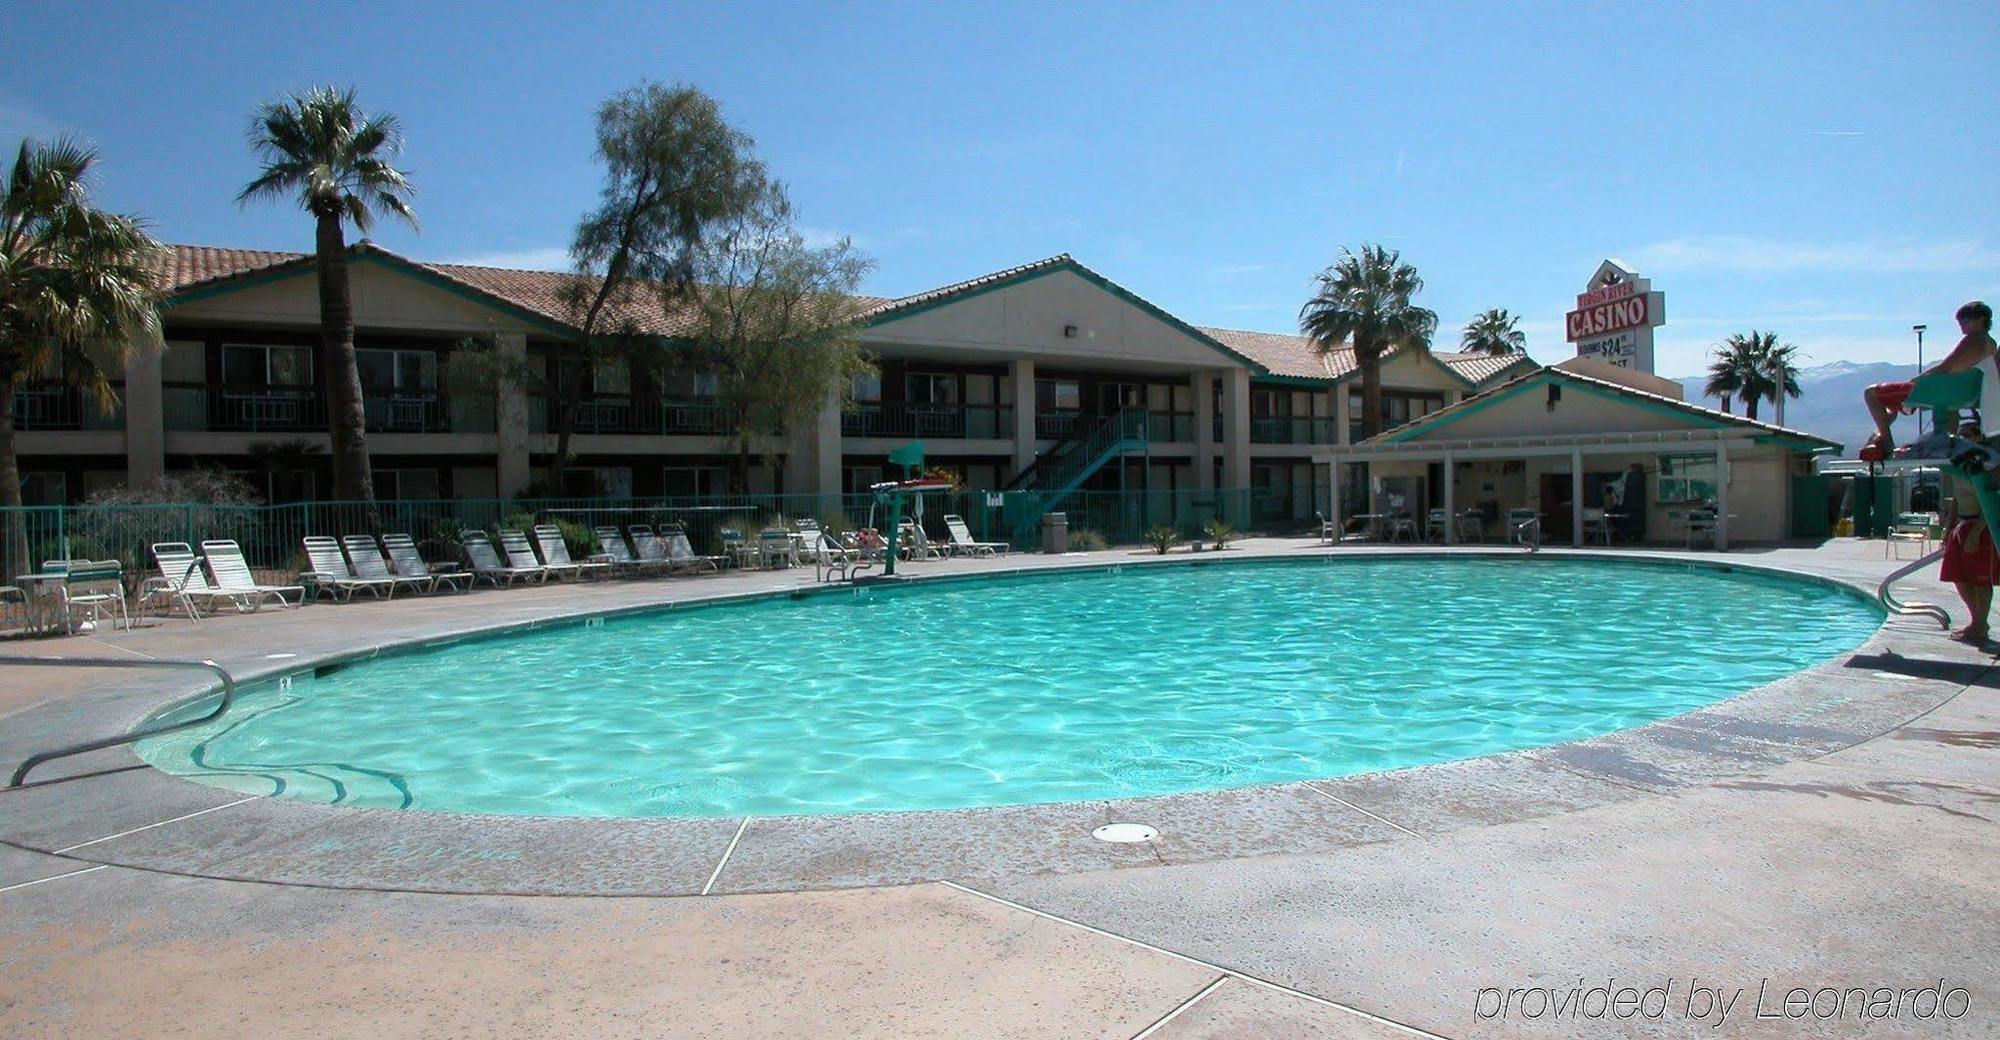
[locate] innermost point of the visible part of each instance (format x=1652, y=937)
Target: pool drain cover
x=1124, y=833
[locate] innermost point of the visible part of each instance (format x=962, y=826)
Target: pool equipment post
x=911, y=457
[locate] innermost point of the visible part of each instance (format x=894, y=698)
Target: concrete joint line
x=58, y=877
x=1379, y=819
x=1198, y=962
x=724, y=861
x=162, y=823
x=1183, y=1006
x=121, y=649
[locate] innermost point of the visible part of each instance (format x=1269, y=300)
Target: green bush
x=1162, y=539
x=1083, y=539
x=1220, y=532
x=581, y=540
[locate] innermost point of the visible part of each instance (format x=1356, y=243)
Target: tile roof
x=539, y=293
x=1452, y=411
x=1283, y=354
x=1479, y=367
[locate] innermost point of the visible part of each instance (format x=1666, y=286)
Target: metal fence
x=270, y=534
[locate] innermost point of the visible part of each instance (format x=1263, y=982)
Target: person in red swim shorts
x=1971, y=563
x=1885, y=400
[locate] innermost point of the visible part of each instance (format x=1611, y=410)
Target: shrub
x=1083, y=539
x=1220, y=531
x=578, y=537
x=1162, y=539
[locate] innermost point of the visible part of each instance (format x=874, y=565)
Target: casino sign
x=1615, y=317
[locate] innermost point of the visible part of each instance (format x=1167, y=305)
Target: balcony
x=1159, y=426
x=60, y=407
x=197, y=408
x=1293, y=430
x=686, y=417
x=936, y=421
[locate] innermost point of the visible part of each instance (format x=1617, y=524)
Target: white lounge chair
x=233, y=575
x=912, y=544
x=683, y=554
x=330, y=571
x=555, y=554
x=182, y=582
x=650, y=547
x=407, y=561
x=962, y=543
x=487, y=566
x=371, y=565
x=521, y=555
x=612, y=545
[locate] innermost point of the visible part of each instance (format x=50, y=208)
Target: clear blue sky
x=1825, y=171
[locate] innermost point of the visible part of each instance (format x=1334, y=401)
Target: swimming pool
x=1038, y=688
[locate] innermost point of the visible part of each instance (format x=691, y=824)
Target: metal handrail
x=1898, y=607
x=228, y=695
x=1521, y=529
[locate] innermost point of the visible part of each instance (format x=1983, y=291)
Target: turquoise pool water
x=1030, y=689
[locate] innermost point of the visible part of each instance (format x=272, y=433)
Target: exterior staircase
x=1062, y=469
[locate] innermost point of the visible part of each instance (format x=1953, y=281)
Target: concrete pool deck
x=1836, y=828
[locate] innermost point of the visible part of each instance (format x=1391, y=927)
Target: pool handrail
x=1896, y=606
x=228, y=695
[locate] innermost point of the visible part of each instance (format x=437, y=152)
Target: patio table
x=45, y=604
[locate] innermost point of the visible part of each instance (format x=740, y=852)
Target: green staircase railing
x=1061, y=470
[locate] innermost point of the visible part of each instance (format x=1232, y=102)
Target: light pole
x=1919, y=330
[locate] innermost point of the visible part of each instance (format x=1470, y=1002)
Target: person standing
x=1971, y=562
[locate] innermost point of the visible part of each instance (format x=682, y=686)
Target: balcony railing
x=1293, y=430
x=937, y=421
x=1061, y=424
x=59, y=407
x=690, y=416
x=303, y=410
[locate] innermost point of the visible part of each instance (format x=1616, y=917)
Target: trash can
x=1055, y=533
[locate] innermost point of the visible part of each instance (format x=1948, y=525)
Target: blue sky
x=1825, y=171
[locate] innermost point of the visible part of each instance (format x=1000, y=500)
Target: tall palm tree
x=336, y=159
x=1367, y=298
x=1495, y=332
x=71, y=276
x=1752, y=366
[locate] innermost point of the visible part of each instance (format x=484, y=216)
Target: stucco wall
x=1578, y=411
x=384, y=298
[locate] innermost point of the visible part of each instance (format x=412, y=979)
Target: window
x=407, y=484
x=1058, y=395
x=44, y=489
x=1119, y=396
x=866, y=386
x=247, y=365
x=684, y=383
x=693, y=480
x=1687, y=478
x=1398, y=407
x=406, y=370
x=856, y=480
x=930, y=388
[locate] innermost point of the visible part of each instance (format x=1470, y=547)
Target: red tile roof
x=1480, y=367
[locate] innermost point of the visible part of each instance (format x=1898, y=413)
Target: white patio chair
x=487, y=565
x=331, y=572
x=407, y=561
x=555, y=554
x=371, y=565
x=233, y=575
x=962, y=542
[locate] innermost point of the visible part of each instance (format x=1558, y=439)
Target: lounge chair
x=683, y=554
x=612, y=545
x=962, y=543
x=486, y=564
x=370, y=565
x=555, y=554
x=233, y=575
x=330, y=571
x=521, y=555
x=407, y=561
x=911, y=543
x=650, y=547
x=181, y=581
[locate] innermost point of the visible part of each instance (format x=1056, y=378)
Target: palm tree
x=1494, y=332
x=71, y=276
x=320, y=146
x=1752, y=366
x=1366, y=298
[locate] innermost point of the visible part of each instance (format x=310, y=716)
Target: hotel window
x=866, y=387
x=856, y=480
x=248, y=365
x=1052, y=395
x=1398, y=407
x=683, y=383
x=405, y=370
x=930, y=388
x=407, y=484
x=1687, y=478
x=693, y=480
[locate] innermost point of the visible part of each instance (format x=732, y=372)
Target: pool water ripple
x=1086, y=685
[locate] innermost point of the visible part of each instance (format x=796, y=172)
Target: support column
x=1022, y=375
x=1342, y=420
x=812, y=454
x=1450, y=502
x=1576, y=498
x=510, y=414
x=1333, y=506
x=1204, y=430
x=145, y=418
x=1722, y=496
x=1236, y=428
